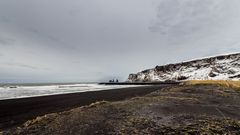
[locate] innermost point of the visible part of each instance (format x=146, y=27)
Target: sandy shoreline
x=177, y=110
x=17, y=111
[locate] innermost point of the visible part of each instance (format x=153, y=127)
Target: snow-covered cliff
x=225, y=67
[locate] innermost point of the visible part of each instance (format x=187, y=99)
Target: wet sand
x=14, y=112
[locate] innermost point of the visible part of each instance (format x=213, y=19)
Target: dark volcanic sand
x=200, y=109
x=17, y=111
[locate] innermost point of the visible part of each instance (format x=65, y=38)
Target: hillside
x=225, y=67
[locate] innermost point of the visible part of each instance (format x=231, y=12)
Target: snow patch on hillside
x=225, y=67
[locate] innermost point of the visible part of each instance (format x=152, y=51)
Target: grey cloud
x=51, y=40
x=5, y=19
x=45, y=36
x=22, y=65
x=178, y=18
x=7, y=41
x=98, y=40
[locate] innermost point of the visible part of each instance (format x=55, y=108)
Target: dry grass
x=225, y=83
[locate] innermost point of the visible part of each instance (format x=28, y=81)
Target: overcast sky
x=96, y=40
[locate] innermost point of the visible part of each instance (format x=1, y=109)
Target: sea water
x=11, y=91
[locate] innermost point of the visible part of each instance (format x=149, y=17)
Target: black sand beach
x=176, y=110
x=16, y=111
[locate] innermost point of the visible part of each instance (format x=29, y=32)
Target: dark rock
x=180, y=78
x=211, y=74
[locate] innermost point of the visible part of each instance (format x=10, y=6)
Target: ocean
x=12, y=91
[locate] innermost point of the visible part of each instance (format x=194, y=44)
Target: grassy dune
x=224, y=83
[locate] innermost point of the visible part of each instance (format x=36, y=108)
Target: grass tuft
x=224, y=83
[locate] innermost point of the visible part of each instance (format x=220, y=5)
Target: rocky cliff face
x=225, y=67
